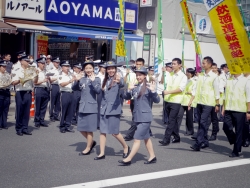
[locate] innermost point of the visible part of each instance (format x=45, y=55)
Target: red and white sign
x=146, y=3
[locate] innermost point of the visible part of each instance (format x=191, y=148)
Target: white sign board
x=146, y=3
x=203, y=24
x=24, y=9
x=145, y=56
x=149, y=25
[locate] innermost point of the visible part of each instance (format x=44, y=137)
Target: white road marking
x=158, y=175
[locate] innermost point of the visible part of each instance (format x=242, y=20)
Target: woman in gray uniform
x=90, y=86
x=143, y=94
x=111, y=109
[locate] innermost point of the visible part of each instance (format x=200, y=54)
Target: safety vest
x=173, y=84
x=205, y=93
x=187, y=97
x=235, y=99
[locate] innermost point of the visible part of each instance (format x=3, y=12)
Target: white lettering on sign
x=108, y=14
x=76, y=7
x=85, y=10
x=52, y=6
x=97, y=13
x=67, y=7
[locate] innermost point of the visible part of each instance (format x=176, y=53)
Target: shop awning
x=6, y=28
x=73, y=32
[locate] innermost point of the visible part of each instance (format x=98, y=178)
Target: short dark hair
x=209, y=60
x=132, y=61
x=191, y=71
x=141, y=60
x=214, y=64
x=178, y=60
x=219, y=71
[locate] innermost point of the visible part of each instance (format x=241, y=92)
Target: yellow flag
x=230, y=33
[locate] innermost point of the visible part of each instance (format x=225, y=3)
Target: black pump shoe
x=151, y=161
x=125, y=155
x=99, y=158
x=125, y=163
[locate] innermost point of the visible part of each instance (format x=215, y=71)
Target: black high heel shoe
x=99, y=158
x=151, y=161
x=125, y=163
x=125, y=155
x=93, y=145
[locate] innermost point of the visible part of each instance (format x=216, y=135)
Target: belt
x=55, y=84
x=27, y=91
x=66, y=91
x=4, y=89
x=42, y=88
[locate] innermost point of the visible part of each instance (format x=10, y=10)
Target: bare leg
x=84, y=134
x=89, y=142
x=102, y=144
x=122, y=141
x=150, y=149
x=134, y=150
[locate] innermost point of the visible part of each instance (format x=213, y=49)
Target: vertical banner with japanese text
x=192, y=30
x=230, y=33
x=42, y=45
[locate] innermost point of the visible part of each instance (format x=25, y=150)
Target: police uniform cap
x=56, y=59
x=49, y=57
x=41, y=60
x=25, y=58
x=168, y=64
x=142, y=70
x=89, y=57
x=151, y=68
x=103, y=65
x=110, y=64
x=78, y=65
x=88, y=62
x=3, y=63
x=21, y=53
x=65, y=63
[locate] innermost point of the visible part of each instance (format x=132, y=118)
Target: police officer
x=42, y=96
x=77, y=93
x=65, y=82
x=18, y=63
x=173, y=95
x=7, y=58
x=55, y=106
x=5, y=80
x=207, y=99
x=236, y=108
x=23, y=96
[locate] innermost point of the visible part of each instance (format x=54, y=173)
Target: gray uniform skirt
x=142, y=131
x=87, y=122
x=110, y=124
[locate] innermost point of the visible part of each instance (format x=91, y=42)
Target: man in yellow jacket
x=235, y=110
x=207, y=99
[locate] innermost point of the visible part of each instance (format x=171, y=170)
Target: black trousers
x=215, y=122
x=4, y=107
x=195, y=115
x=172, y=110
x=76, y=100
x=204, y=114
x=246, y=135
x=55, y=106
x=67, y=110
x=235, y=120
x=23, y=102
x=41, y=102
x=189, y=119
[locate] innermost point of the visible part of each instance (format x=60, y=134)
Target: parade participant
x=49, y=64
x=235, y=110
x=7, y=58
x=225, y=71
x=23, y=95
x=65, y=80
x=77, y=93
x=130, y=79
x=207, y=99
x=173, y=95
x=111, y=109
x=18, y=63
x=32, y=63
x=187, y=103
x=165, y=70
x=42, y=94
x=90, y=86
x=143, y=94
x=5, y=81
x=55, y=106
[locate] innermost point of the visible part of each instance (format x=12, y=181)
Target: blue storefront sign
x=99, y=13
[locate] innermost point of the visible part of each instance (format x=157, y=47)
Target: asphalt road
x=50, y=159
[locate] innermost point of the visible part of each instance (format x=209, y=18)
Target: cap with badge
x=24, y=58
x=65, y=63
x=41, y=60
x=78, y=65
x=3, y=63
x=142, y=70
x=151, y=68
x=89, y=58
x=56, y=59
x=88, y=62
x=110, y=64
x=103, y=65
x=168, y=64
x=21, y=53
x=49, y=57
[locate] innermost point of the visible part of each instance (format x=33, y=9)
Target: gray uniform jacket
x=111, y=102
x=89, y=90
x=142, y=110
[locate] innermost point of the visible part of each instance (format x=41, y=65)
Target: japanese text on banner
x=42, y=45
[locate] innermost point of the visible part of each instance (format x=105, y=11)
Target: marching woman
x=111, y=109
x=90, y=86
x=5, y=81
x=142, y=94
x=187, y=103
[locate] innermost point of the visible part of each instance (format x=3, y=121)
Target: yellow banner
x=190, y=24
x=230, y=33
